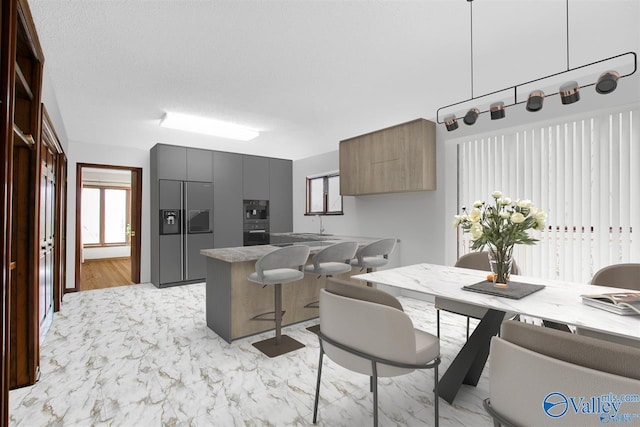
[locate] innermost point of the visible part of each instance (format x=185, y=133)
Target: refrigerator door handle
x=184, y=231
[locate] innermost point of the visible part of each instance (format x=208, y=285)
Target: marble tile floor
x=142, y=356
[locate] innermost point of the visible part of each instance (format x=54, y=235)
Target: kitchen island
x=232, y=301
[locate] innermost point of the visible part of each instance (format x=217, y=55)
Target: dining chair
x=365, y=330
x=283, y=265
x=625, y=276
x=474, y=261
x=537, y=375
x=618, y=276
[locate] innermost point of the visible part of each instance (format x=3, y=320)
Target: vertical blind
x=584, y=173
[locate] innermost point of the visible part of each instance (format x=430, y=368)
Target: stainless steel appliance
x=186, y=209
x=256, y=222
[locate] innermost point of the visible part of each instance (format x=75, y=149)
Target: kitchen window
x=323, y=195
x=105, y=216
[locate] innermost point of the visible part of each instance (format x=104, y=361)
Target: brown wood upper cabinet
x=397, y=159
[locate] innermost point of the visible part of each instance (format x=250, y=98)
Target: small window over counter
x=323, y=195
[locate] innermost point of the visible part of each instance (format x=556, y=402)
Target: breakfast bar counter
x=232, y=301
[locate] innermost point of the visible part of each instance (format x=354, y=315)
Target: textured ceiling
x=306, y=74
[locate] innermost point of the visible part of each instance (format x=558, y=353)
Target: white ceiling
x=306, y=74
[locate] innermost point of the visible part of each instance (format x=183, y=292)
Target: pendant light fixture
x=535, y=100
x=607, y=82
x=471, y=116
x=451, y=123
x=497, y=110
x=569, y=92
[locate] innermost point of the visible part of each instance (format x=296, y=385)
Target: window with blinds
x=584, y=173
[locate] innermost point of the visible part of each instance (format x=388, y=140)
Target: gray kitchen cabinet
x=227, y=199
x=255, y=174
x=170, y=162
x=280, y=195
x=199, y=165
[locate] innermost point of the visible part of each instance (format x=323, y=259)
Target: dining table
x=556, y=302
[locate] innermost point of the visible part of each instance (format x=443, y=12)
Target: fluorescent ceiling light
x=207, y=126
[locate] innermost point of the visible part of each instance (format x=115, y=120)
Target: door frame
x=51, y=139
x=136, y=219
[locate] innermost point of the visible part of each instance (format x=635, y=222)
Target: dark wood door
x=47, y=235
x=24, y=351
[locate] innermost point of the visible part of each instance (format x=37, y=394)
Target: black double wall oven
x=256, y=222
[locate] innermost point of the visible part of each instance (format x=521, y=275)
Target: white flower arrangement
x=502, y=224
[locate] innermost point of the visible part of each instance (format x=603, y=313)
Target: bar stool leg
x=279, y=344
x=278, y=313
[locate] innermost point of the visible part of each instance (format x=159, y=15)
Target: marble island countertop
x=315, y=241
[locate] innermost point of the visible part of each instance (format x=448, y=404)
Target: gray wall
x=113, y=156
x=51, y=102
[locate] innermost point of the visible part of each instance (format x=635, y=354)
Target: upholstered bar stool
x=375, y=254
x=275, y=268
x=334, y=259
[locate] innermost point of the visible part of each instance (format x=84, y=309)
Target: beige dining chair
x=365, y=330
x=625, y=276
x=535, y=372
x=474, y=261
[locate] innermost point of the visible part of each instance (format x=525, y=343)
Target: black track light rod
x=515, y=88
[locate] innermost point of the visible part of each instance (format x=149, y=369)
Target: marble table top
x=316, y=242
x=559, y=301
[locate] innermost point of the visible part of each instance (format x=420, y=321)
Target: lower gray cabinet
x=227, y=200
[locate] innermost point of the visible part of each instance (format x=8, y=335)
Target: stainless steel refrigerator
x=186, y=210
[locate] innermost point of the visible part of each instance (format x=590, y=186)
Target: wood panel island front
x=232, y=301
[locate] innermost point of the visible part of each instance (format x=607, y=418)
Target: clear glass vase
x=500, y=261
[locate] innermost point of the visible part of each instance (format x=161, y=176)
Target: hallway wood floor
x=105, y=273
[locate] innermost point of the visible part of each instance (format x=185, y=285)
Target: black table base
x=467, y=367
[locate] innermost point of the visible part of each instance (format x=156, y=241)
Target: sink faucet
x=321, y=226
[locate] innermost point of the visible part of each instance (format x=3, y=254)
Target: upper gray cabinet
x=255, y=173
x=171, y=162
x=392, y=160
x=182, y=163
x=227, y=200
x=199, y=165
x=280, y=196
